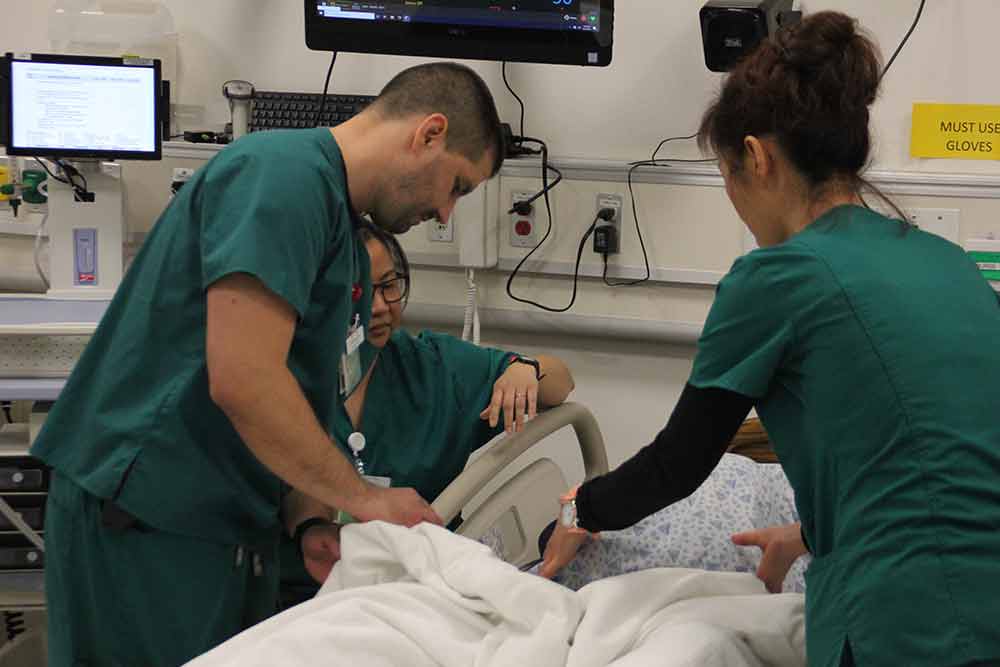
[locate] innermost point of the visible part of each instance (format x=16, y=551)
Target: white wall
x=656, y=87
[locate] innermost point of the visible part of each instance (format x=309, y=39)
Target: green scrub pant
x=141, y=597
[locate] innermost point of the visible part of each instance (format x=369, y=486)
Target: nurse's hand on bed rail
x=400, y=506
x=516, y=392
x=782, y=546
x=321, y=550
x=561, y=549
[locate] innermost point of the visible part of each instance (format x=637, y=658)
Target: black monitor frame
x=442, y=40
x=7, y=107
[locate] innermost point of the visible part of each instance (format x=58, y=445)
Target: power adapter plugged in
x=606, y=239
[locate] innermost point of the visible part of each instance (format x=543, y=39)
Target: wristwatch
x=300, y=530
x=567, y=513
x=518, y=359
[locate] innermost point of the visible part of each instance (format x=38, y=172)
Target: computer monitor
x=82, y=107
x=565, y=32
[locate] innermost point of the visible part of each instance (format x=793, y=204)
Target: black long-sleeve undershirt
x=669, y=469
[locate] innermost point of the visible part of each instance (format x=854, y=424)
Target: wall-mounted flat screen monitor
x=563, y=32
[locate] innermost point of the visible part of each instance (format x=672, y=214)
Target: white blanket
x=424, y=596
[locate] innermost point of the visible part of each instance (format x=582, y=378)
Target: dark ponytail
x=810, y=86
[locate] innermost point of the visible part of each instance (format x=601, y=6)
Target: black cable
x=70, y=170
x=14, y=624
x=544, y=193
x=51, y=175
x=920, y=10
x=326, y=88
x=503, y=72
x=81, y=192
x=635, y=213
x=6, y=407
x=576, y=269
x=667, y=141
x=546, y=168
x=653, y=162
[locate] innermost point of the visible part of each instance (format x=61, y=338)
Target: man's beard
x=397, y=225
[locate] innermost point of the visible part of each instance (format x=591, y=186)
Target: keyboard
x=274, y=110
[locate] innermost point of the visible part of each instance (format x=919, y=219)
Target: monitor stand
x=86, y=237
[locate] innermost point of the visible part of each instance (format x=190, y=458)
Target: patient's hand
x=782, y=546
x=321, y=550
x=560, y=550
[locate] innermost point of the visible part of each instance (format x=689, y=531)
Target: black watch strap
x=301, y=529
x=530, y=362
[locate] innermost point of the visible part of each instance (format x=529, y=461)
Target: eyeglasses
x=393, y=290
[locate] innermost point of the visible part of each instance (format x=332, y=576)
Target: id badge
x=384, y=482
x=350, y=361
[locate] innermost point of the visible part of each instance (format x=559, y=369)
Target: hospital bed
x=512, y=518
x=423, y=597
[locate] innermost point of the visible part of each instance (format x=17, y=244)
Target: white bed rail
x=464, y=487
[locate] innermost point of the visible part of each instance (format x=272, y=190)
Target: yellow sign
x=956, y=131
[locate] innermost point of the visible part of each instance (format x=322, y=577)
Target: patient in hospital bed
x=741, y=495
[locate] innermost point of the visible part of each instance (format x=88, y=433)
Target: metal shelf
x=21, y=315
x=22, y=591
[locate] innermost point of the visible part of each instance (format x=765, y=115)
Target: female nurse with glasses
x=426, y=403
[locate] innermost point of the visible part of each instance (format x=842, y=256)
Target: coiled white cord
x=470, y=329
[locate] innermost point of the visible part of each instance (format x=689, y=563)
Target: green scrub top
x=421, y=412
x=871, y=353
x=420, y=420
x=135, y=421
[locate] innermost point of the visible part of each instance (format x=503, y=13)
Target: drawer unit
x=17, y=553
x=24, y=484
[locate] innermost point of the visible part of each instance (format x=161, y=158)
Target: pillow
x=695, y=532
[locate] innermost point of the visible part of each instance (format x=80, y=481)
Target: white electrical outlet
x=477, y=221
x=441, y=232
x=523, y=227
x=941, y=221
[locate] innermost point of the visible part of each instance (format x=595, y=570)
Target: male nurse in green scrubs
x=209, y=386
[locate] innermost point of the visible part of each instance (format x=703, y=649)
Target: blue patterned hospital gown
x=695, y=532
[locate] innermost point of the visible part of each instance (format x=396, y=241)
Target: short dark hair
x=457, y=92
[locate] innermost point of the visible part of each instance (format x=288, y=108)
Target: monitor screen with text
x=83, y=109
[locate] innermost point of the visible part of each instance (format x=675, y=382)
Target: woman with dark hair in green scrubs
x=868, y=348
x=425, y=405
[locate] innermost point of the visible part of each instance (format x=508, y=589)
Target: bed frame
x=512, y=517
x=753, y=442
